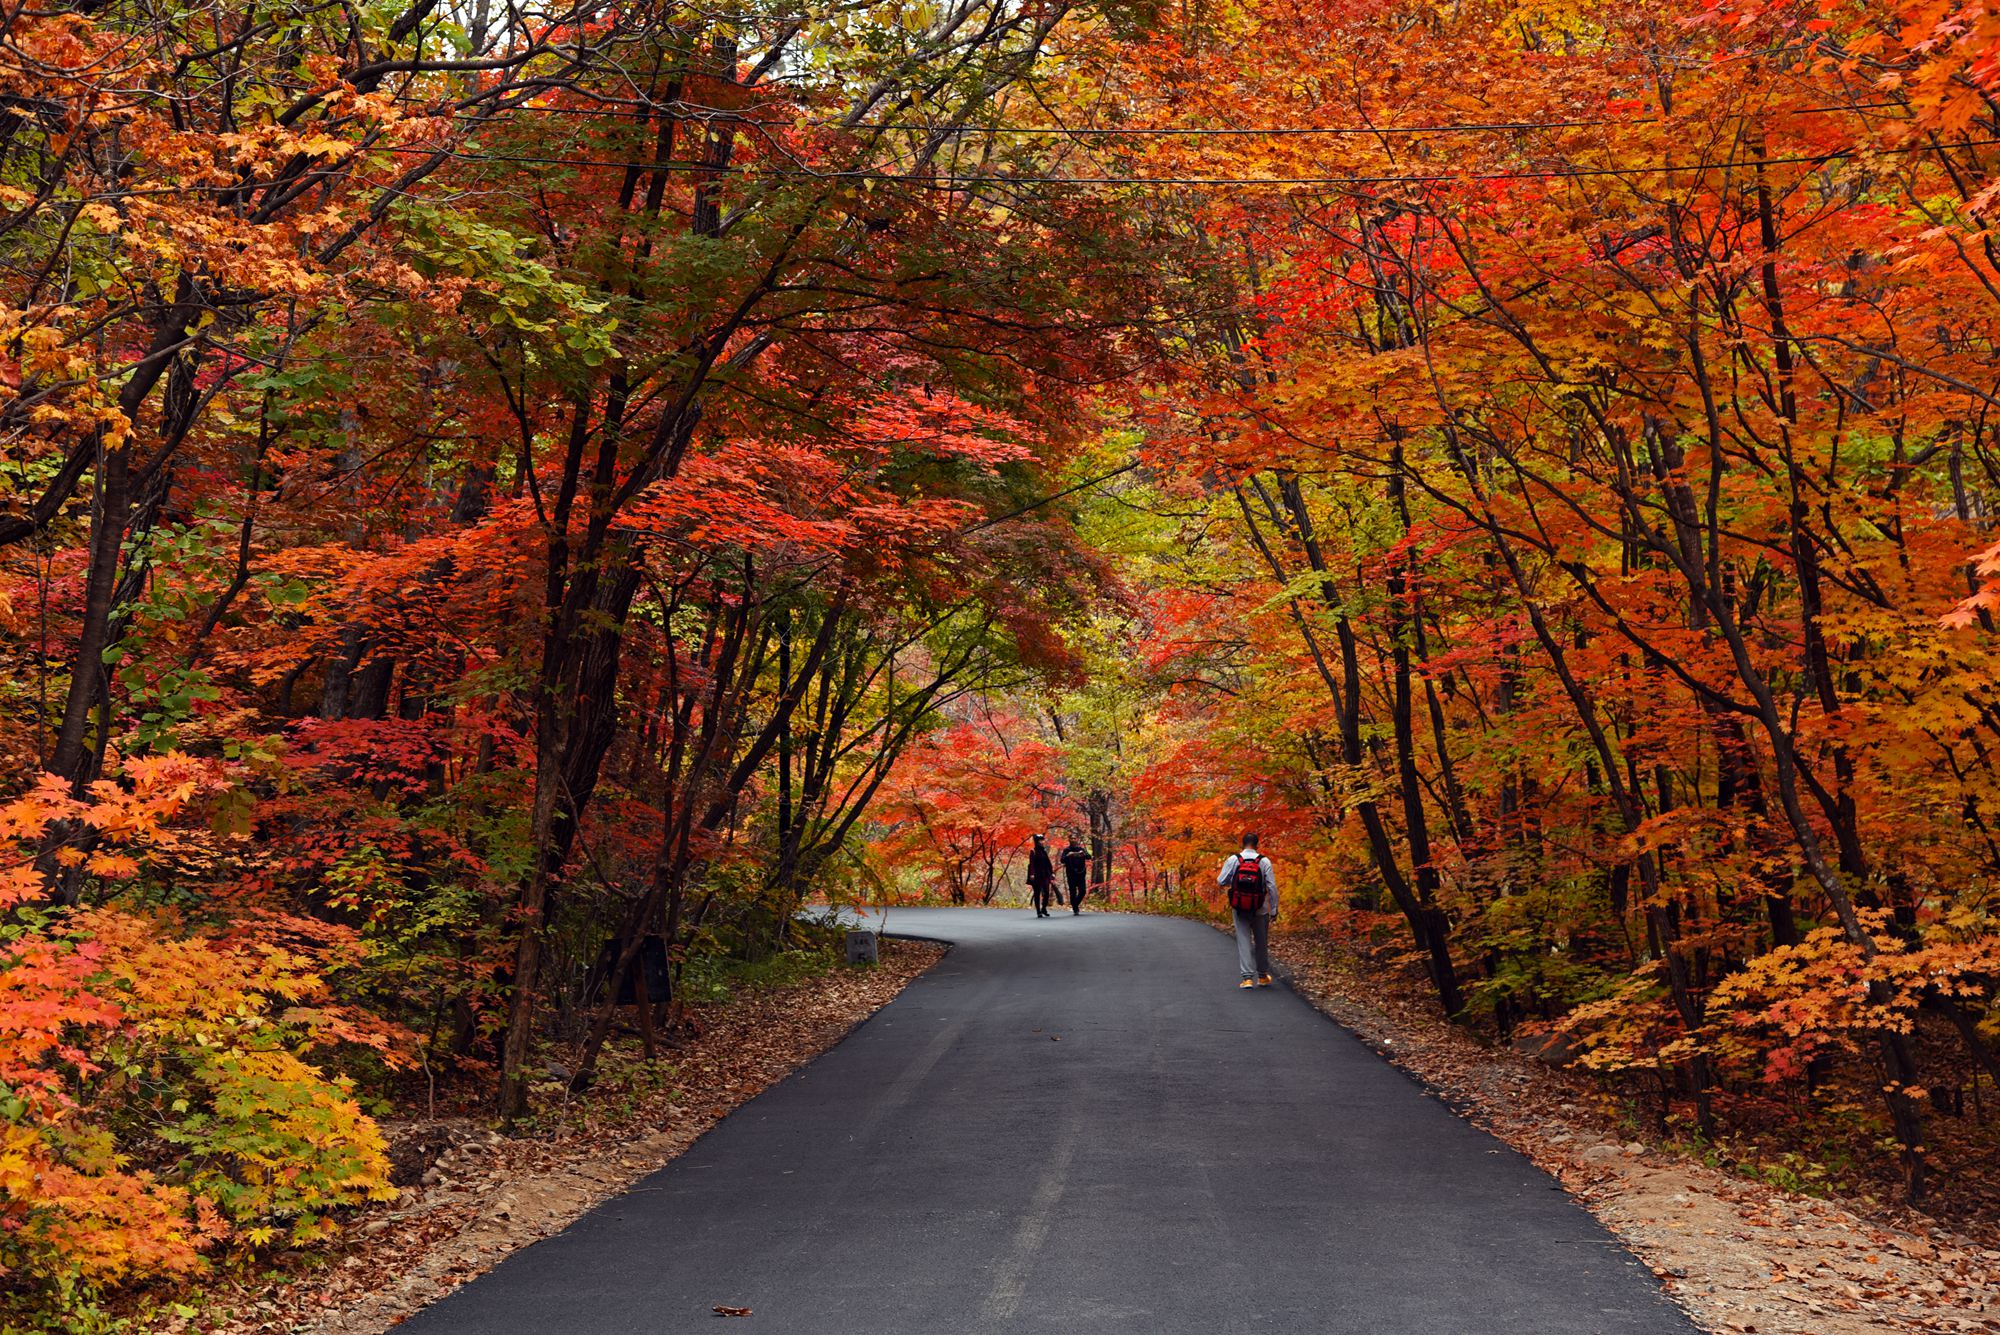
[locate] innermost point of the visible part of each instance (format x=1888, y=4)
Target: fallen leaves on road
x=721, y=1310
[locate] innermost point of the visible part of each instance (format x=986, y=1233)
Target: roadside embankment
x=480, y=1196
x=1738, y=1255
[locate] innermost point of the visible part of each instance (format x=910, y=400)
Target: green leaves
x=553, y=317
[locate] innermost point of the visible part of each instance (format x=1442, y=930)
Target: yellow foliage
x=156, y=1087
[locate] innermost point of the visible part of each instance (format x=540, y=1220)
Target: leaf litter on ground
x=488, y=1195
x=1737, y=1255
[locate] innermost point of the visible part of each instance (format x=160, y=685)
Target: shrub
x=158, y=1093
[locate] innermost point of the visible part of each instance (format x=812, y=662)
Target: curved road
x=1081, y=1125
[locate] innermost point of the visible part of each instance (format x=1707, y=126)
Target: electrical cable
x=712, y=115
x=953, y=180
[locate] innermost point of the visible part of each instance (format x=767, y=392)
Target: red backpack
x=1246, y=888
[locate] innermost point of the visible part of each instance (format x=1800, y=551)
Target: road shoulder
x=1738, y=1256
x=487, y=1196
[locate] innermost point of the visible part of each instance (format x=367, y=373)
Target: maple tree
x=487, y=496
x=962, y=810
x=1599, y=405
x=157, y=1089
x=484, y=490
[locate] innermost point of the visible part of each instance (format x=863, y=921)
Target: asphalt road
x=1081, y=1125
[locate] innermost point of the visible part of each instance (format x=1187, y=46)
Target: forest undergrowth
x=1531, y=1088
x=1818, y=1144
x=501, y=505
x=470, y=1196
x=1755, y=1236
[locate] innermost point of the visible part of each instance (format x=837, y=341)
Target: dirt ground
x=480, y=1195
x=1738, y=1255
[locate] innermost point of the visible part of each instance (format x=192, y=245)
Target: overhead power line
x=947, y=180
x=712, y=115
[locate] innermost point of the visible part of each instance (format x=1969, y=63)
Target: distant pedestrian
x=1076, y=865
x=1253, y=902
x=1041, y=877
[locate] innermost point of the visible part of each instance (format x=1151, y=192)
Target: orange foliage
x=154, y=1084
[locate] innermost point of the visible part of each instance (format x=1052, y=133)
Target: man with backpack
x=1041, y=877
x=1076, y=866
x=1253, y=902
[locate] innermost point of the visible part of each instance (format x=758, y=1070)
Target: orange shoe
x=1248, y=982
x=1264, y=980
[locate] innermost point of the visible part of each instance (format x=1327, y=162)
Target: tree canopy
x=487, y=487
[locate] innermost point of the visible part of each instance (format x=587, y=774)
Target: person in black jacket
x=1041, y=876
x=1076, y=865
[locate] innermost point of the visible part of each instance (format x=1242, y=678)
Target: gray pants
x=1253, y=943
